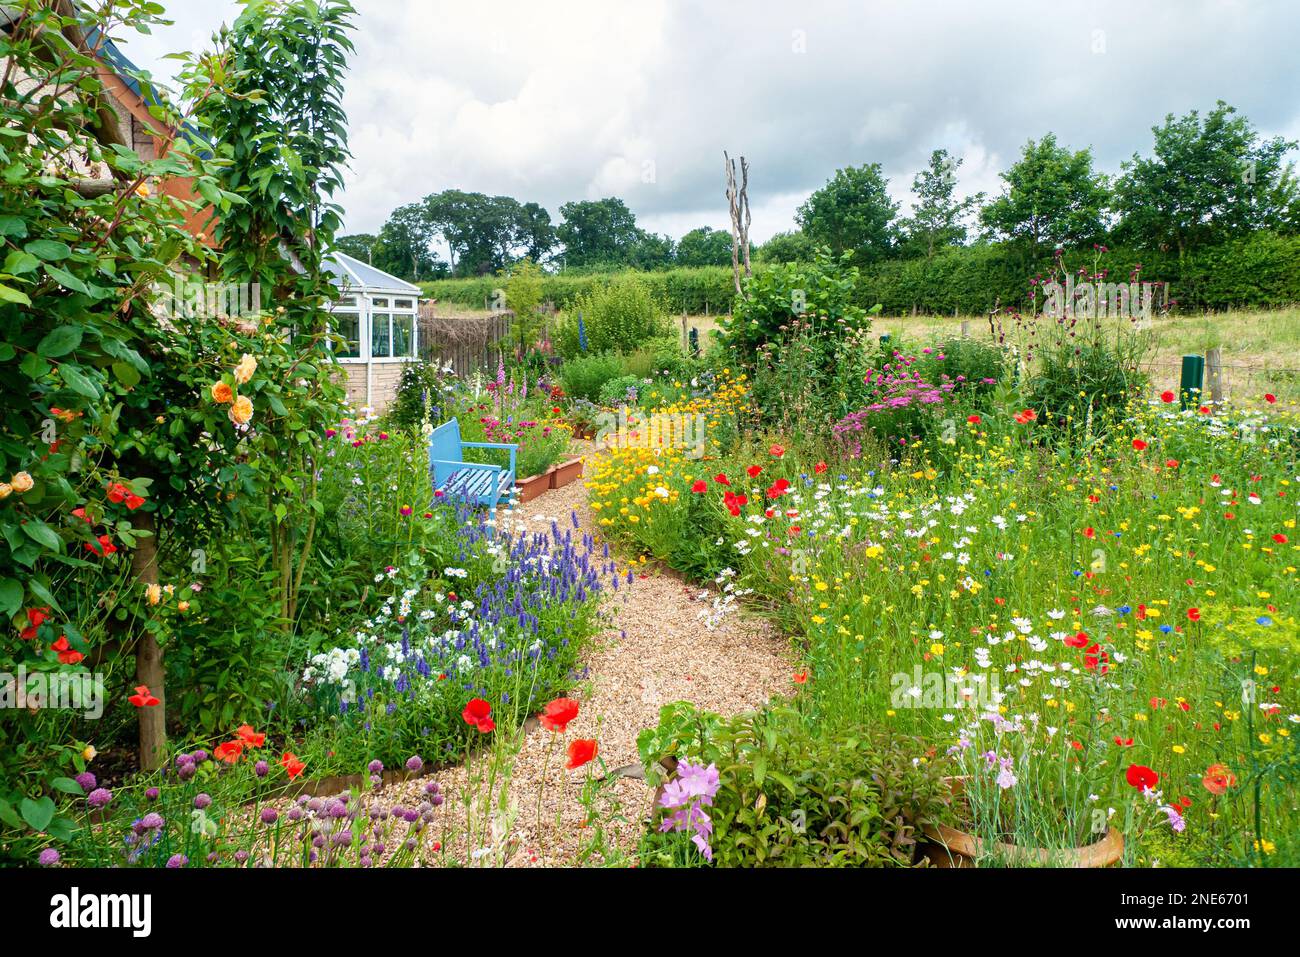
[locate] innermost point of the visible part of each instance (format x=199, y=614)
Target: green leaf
x=78, y=383
x=44, y=594
x=42, y=534
x=66, y=279
x=127, y=374
x=60, y=341
x=50, y=250
x=67, y=786
x=37, y=814
x=11, y=596
x=9, y=294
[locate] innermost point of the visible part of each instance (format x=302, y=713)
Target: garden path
x=657, y=650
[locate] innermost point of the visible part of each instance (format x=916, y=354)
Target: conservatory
x=377, y=319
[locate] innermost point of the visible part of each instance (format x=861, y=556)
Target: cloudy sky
x=582, y=99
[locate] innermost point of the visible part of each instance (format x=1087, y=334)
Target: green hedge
x=694, y=290
x=1258, y=271
x=1261, y=270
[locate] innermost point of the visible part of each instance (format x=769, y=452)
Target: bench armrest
x=511, y=446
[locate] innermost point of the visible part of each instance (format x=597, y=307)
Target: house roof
x=353, y=274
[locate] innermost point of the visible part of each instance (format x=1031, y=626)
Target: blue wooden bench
x=473, y=482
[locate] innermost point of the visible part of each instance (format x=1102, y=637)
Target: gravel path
x=656, y=651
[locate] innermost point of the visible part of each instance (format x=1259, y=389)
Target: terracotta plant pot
x=533, y=486
x=949, y=847
x=566, y=472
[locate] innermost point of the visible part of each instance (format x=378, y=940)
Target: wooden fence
x=470, y=343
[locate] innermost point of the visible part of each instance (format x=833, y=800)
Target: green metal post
x=1192, y=383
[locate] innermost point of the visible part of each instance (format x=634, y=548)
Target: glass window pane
x=380, y=342
x=403, y=303
x=348, y=326
x=402, y=339
x=379, y=303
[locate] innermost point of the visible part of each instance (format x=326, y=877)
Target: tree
x=1052, y=198
x=652, y=251
x=785, y=247
x=938, y=219
x=705, y=246
x=358, y=246
x=1205, y=181
x=535, y=233
x=405, y=242
x=852, y=212
x=598, y=232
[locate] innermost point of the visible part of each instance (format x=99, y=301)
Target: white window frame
x=365, y=311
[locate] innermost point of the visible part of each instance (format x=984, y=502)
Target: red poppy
x=1025, y=416
x=1171, y=463
x=1089, y=532
x=1193, y=614
x=478, y=713
x=1077, y=641
x=105, y=546
x=581, y=750
x=753, y=471
x=1158, y=703
x=1184, y=802
x=292, y=766
x=35, y=617
x=1124, y=742
x=1204, y=410
x=820, y=467
x=777, y=451
x=248, y=736
x=721, y=479
x=974, y=419
x=558, y=714
x=700, y=487
x=66, y=654
x=1141, y=777
x=801, y=676
x=228, y=751
x=1167, y=396
x=1270, y=398
x=1095, y=659
x=1218, y=779
x=1139, y=444
x=143, y=698
x=1280, y=538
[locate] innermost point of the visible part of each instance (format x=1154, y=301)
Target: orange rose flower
x=221, y=392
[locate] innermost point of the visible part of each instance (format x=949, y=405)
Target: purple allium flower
x=87, y=782
x=99, y=797
x=376, y=766
x=295, y=814
x=202, y=801
x=270, y=815
x=431, y=787
x=177, y=860
x=241, y=856
x=49, y=857
x=151, y=794
x=414, y=764
x=261, y=768
x=200, y=756
x=152, y=821
x=186, y=771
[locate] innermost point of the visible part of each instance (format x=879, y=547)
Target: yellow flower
x=241, y=410
x=89, y=752
x=22, y=482
x=153, y=593
x=183, y=606
x=244, y=371
x=5, y=490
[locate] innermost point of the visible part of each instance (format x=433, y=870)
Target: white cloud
x=552, y=103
